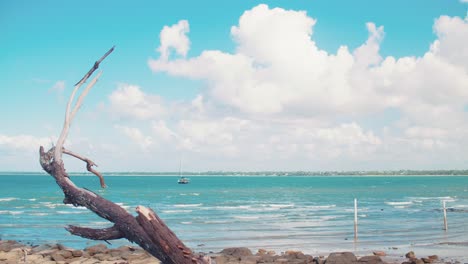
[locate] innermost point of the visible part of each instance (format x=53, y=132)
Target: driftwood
x=146, y=229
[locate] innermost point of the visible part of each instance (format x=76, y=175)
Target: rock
x=371, y=260
x=341, y=258
x=318, y=260
x=100, y=248
x=57, y=257
x=237, y=252
x=12, y=257
x=77, y=253
x=379, y=253
x=427, y=260
x=221, y=259
x=410, y=255
x=34, y=259
x=433, y=257
x=7, y=245
x=262, y=251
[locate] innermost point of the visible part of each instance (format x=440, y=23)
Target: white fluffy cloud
x=136, y=136
x=23, y=143
x=130, y=101
x=278, y=68
x=174, y=37
x=280, y=98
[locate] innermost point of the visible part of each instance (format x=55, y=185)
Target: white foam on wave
x=281, y=205
x=176, y=211
x=76, y=207
x=320, y=207
x=8, y=199
x=188, y=205
x=39, y=214
x=216, y=222
x=246, y=217
x=32, y=199
x=399, y=203
x=186, y=223
x=50, y=205
x=243, y=207
x=69, y=212
x=191, y=194
x=11, y=212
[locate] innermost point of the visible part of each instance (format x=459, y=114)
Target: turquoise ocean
x=314, y=214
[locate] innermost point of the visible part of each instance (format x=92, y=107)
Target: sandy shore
x=12, y=252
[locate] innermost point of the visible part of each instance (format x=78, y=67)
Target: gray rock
x=341, y=258
x=371, y=260
x=237, y=252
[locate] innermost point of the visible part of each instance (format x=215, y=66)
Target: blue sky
x=366, y=84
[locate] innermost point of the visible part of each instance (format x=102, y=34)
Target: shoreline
x=13, y=252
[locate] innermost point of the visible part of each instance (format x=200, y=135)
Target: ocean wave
x=320, y=207
x=217, y=222
x=39, y=214
x=246, y=217
x=176, y=211
x=281, y=205
x=399, y=203
x=244, y=207
x=186, y=223
x=70, y=212
x=11, y=212
x=188, y=205
x=191, y=194
x=8, y=199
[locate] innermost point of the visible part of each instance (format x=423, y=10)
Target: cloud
x=58, y=87
x=23, y=143
x=295, y=101
x=174, y=37
x=136, y=136
x=131, y=102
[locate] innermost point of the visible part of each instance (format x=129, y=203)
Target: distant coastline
x=269, y=173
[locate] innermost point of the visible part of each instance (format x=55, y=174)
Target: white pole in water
x=445, y=217
x=355, y=219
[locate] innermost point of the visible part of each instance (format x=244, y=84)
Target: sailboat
x=182, y=180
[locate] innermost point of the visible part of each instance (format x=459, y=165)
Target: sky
x=238, y=85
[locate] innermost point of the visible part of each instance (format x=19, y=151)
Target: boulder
x=371, y=260
x=341, y=258
x=379, y=253
x=237, y=252
x=410, y=255
x=100, y=248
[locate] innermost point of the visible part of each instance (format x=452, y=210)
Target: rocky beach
x=12, y=252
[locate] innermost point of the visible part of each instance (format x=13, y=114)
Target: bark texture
x=146, y=229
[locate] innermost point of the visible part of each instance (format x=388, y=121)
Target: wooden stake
x=355, y=219
x=445, y=217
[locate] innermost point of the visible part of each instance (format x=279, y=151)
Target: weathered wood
x=147, y=229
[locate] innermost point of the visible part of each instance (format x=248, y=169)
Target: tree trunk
x=146, y=229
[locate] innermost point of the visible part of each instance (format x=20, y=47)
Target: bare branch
x=89, y=165
x=83, y=95
x=95, y=234
x=95, y=66
x=69, y=115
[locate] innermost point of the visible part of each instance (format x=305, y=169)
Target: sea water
x=314, y=214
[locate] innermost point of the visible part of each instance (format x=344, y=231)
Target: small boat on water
x=183, y=180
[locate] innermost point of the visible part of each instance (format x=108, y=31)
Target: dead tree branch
x=146, y=229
